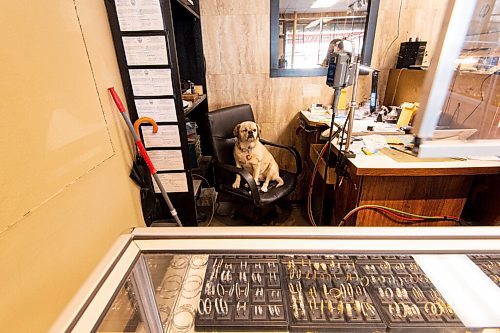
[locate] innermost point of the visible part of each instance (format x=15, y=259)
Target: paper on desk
x=375, y=142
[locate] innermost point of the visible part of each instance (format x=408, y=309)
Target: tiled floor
x=288, y=215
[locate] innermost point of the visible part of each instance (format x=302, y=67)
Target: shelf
x=189, y=9
x=188, y=110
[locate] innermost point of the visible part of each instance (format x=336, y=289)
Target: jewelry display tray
x=345, y=270
x=249, y=318
x=489, y=264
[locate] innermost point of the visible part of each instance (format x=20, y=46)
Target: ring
x=350, y=292
x=388, y=293
x=343, y=290
x=357, y=307
x=330, y=306
x=340, y=308
x=207, y=306
x=405, y=312
x=200, y=306
x=220, y=290
x=348, y=310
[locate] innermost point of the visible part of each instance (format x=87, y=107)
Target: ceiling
x=304, y=6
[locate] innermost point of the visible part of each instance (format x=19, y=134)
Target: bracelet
x=198, y=261
x=179, y=262
x=176, y=280
x=195, y=280
x=183, y=327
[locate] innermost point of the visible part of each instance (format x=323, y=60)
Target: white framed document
x=139, y=15
x=167, y=136
x=145, y=50
x=167, y=160
x=161, y=110
x=172, y=182
x=151, y=82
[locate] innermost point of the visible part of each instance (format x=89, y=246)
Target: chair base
x=256, y=215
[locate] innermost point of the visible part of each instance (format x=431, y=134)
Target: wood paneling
x=403, y=85
x=419, y=195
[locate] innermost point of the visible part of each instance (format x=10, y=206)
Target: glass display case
x=293, y=280
x=460, y=98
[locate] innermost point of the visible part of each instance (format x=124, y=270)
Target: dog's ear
x=259, y=130
x=236, y=131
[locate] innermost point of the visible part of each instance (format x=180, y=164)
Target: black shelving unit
x=176, y=23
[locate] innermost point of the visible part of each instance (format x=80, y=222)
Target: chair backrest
x=222, y=123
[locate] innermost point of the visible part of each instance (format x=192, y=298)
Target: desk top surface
x=382, y=164
x=360, y=126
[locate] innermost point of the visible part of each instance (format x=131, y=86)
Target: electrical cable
x=410, y=217
x=396, y=86
x=202, y=178
x=397, y=36
x=309, y=196
x=482, y=96
x=213, y=210
x=214, y=199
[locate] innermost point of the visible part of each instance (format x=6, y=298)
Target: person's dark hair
x=335, y=43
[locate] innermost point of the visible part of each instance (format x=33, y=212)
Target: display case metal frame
x=89, y=305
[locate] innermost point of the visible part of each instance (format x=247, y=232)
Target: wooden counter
x=438, y=187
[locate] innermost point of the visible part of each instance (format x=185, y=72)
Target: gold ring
x=340, y=308
x=348, y=310
x=363, y=279
x=350, y=292
x=336, y=292
x=388, y=293
x=440, y=308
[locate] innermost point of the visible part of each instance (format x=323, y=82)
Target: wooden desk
x=427, y=188
x=360, y=126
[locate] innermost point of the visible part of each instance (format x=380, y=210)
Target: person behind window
x=336, y=45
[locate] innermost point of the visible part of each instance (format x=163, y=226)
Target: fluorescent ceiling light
x=323, y=3
x=313, y=24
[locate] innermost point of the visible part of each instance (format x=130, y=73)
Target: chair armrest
x=245, y=175
x=292, y=150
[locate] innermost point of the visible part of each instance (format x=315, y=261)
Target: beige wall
x=236, y=44
x=66, y=194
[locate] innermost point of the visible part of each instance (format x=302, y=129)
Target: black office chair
x=222, y=123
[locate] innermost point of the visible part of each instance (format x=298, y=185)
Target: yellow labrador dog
x=251, y=155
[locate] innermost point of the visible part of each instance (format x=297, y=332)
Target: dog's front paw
x=236, y=184
x=264, y=189
x=257, y=182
